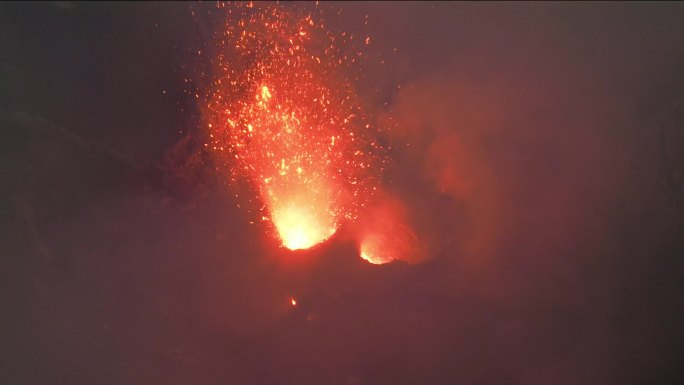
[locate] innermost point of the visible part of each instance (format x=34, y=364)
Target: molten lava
x=387, y=234
x=372, y=250
x=301, y=226
x=282, y=115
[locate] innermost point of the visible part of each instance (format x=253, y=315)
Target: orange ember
x=282, y=112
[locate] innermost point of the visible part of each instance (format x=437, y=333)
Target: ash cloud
x=533, y=126
x=532, y=129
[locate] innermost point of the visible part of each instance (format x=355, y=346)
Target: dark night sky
x=544, y=171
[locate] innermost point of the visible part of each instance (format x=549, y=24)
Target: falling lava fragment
x=283, y=115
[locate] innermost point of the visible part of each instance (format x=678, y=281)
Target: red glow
x=283, y=116
x=376, y=250
x=387, y=234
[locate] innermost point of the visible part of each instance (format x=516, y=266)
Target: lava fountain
x=283, y=115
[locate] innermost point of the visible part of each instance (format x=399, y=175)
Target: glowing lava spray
x=283, y=114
